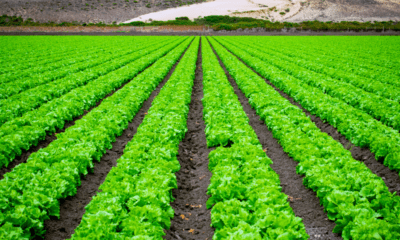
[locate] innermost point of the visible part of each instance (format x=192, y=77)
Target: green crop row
x=32, y=47
x=30, y=193
x=22, y=133
x=355, y=198
x=381, y=89
x=360, y=68
x=19, y=104
x=378, y=51
x=80, y=55
x=246, y=197
x=339, y=66
x=385, y=110
x=135, y=197
x=32, y=52
x=357, y=126
x=50, y=72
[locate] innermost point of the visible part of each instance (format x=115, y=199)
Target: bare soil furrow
x=303, y=201
x=192, y=219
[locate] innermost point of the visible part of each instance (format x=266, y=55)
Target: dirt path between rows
x=303, y=201
x=73, y=208
x=192, y=219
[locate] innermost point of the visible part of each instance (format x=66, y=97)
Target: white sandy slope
x=241, y=8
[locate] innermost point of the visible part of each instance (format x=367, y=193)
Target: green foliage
x=355, y=198
x=182, y=19
x=28, y=198
x=139, y=187
x=246, y=197
x=357, y=126
x=54, y=114
x=310, y=68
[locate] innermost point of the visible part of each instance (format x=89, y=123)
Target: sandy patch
x=348, y=10
x=263, y=9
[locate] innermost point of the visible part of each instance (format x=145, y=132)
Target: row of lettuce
x=382, y=81
x=224, y=22
x=355, y=198
x=48, y=107
x=246, y=197
x=352, y=116
x=23, y=52
x=32, y=54
x=50, y=70
x=134, y=201
x=28, y=198
x=384, y=109
x=368, y=64
x=39, y=90
x=135, y=197
x=360, y=52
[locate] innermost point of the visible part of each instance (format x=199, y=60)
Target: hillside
x=109, y=11
x=94, y=11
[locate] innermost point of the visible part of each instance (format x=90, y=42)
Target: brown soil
x=86, y=11
x=72, y=208
x=303, y=201
x=193, y=177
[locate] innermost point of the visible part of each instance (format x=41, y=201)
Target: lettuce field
x=182, y=137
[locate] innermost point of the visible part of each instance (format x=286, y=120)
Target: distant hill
x=109, y=11
x=106, y=11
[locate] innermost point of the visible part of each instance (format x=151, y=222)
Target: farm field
x=228, y=137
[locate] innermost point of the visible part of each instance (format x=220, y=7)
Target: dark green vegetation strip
x=136, y=195
x=218, y=22
x=246, y=197
x=355, y=198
